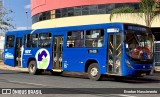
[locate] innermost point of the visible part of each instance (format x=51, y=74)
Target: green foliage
x=121, y=10
x=147, y=11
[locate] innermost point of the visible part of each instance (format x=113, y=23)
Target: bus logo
x=9, y=56
x=27, y=51
x=42, y=59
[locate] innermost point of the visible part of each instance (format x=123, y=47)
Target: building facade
x=60, y=13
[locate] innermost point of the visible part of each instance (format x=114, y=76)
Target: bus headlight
x=129, y=64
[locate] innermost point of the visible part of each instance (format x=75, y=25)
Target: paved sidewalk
x=5, y=67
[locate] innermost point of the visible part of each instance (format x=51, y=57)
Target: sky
x=21, y=13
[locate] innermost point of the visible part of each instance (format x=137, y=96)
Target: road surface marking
x=27, y=83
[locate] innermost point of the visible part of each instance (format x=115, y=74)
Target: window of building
x=44, y=16
x=70, y=14
x=44, y=40
x=80, y=10
x=120, y=5
x=64, y=12
x=101, y=11
x=58, y=13
x=10, y=41
x=94, y=38
x=94, y=11
x=70, y=11
x=93, y=7
x=77, y=13
x=102, y=6
x=75, y=39
x=110, y=7
x=85, y=10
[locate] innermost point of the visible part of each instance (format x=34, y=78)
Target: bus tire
x=93, y=72
x=32, y=68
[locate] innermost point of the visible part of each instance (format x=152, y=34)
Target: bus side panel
x=9, y=58
x=9, y=54
x=24, y=59
x=28, y=53
x=43, y=61
x=75, y=59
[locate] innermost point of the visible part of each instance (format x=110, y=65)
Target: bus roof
x=18, y=31
x=72, y=28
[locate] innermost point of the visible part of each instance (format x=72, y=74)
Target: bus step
x=113, y=74
x=57, y=70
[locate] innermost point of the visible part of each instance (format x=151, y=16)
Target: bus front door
x=114, y=54
x=57, y=53
x=18, y=51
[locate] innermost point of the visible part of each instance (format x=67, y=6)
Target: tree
x=5, y=24
x=147, y=11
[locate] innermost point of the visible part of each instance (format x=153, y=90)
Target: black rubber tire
x=32, y=68
x=98, y=76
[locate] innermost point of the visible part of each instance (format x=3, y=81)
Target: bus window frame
x=102, y=32
x=74, y=39
x=40, y=40
x=9, y=42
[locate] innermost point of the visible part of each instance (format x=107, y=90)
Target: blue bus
x=117, y=49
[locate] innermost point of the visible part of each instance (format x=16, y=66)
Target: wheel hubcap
x=32, y=67
x=94, y=72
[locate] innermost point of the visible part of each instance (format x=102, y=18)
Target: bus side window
x=100, y=41
x=75, y=39
x=34, y=40
x=94, y=38
x=31, y=40
x=28, y=41
x=10, y=41
x=45, y=39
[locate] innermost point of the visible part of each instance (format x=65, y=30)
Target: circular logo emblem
x=42, y=58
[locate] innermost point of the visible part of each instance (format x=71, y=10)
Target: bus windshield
x=139, y=45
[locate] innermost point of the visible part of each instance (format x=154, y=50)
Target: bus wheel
x=93, y=72
x=32, y=68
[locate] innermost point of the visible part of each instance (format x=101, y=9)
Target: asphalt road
x=77, y=84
